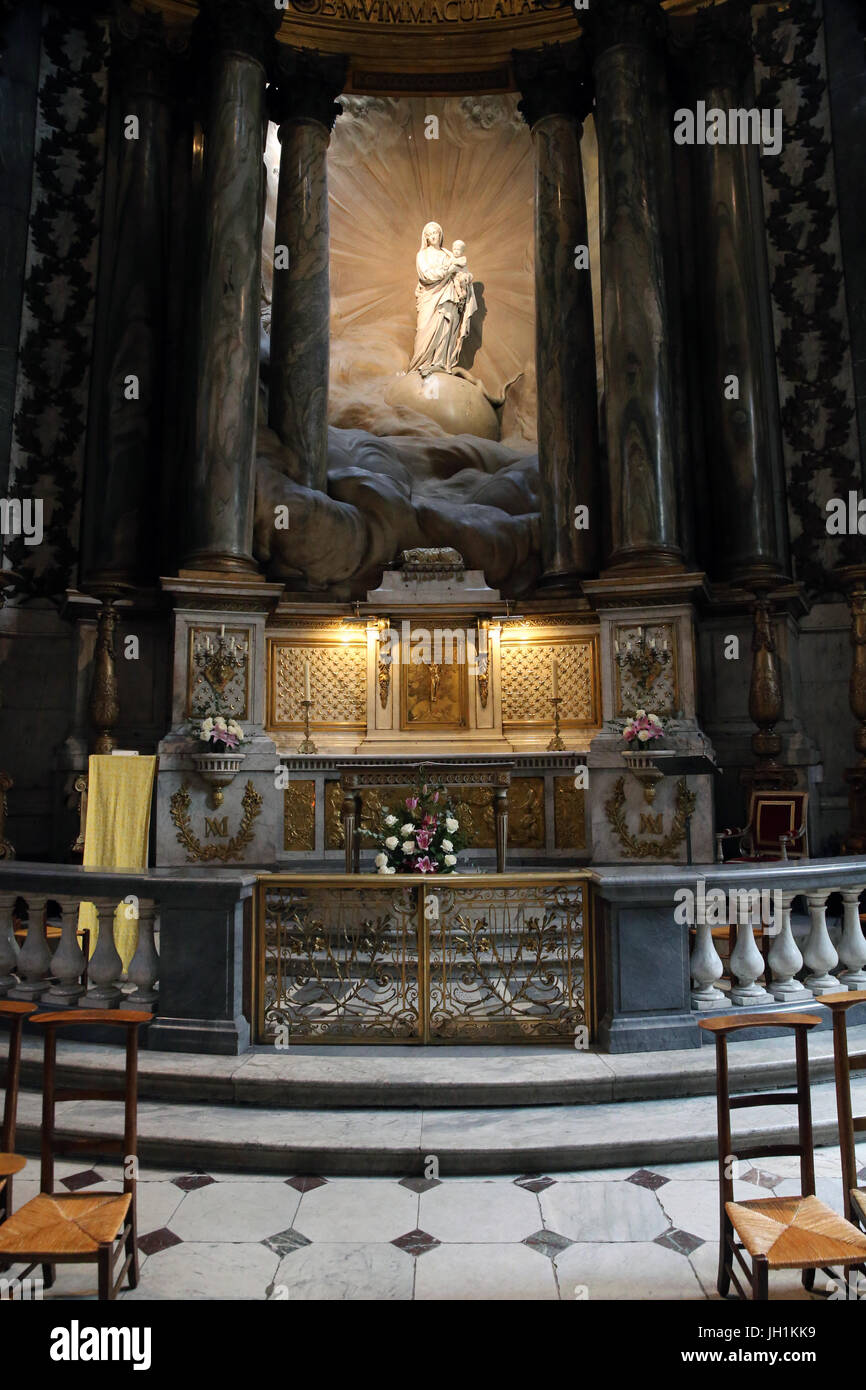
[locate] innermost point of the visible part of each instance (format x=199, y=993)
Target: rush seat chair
x=849, y=1124
x=13, y=1013
x=773, y=1233
x=80, y=1227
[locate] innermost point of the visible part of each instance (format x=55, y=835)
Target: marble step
x=344, y=1077
x=363, y=1142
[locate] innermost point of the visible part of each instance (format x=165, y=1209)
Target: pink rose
x=425, y=865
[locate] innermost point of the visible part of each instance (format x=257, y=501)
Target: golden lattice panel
x=526, y=691
x=338, y=685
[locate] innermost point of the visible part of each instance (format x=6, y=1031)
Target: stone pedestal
x=647, y=662
x=245, y=827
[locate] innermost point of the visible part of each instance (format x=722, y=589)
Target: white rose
x=380, y=861
x=206, y=728
x=451, y=824
x=641, y=714
x=408, y=828
x=392, y=842
x=389, y=870
x=219, y=722
x=654, y=719
x=643, y=736
x=451, y=859
x=446, y=844
x=408, y=846
x=390, y=820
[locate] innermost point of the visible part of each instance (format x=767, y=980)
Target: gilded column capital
x=611, y=23
x=305, y=86
x=554, y=80
x=246, y=27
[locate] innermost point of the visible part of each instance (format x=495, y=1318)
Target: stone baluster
x=105, y=963
x=626, y=38
x=747, y=964
x=301, y=102
x=238, y=38
x=34, y=959
x=556, y=97
x=144, y=966
x=706, y=968
x=819, y=952
x=785, y=958
x=68, y=962
x=8, y=945
x=852, y=947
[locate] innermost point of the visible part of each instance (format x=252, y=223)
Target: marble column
x=639, y=384
x=556, y=96
x=301, y=102
x=124, y=441
x=743, y=440
x=237, y=36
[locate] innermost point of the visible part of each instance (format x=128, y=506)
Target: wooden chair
x=776, y=829
x=79, y=1227
x=775, y=1232
x=11, y=1162
x=854, y=1196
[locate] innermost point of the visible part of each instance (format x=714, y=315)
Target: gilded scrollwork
x=633, y=848
x=196, y=852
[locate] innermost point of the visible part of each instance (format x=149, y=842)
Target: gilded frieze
x=299, y=816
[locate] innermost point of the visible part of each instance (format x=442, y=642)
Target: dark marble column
x=19, y=80
x=237, y=36
x=639, y=383
x=556, y=98
x=301, y=102
x=743, y=439
x=124, y=440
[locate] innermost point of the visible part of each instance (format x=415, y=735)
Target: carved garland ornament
x=179, y=805
x=648, y=849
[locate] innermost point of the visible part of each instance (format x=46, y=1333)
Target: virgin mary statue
x=445, y=302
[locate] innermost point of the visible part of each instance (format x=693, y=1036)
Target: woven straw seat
x=858, y=1203
x=11, y=1163
x=795, y=1232
x=73, y=1223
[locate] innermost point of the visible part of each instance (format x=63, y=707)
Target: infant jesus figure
x=465, y=298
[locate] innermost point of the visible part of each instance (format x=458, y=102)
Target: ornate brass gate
x=357, y=958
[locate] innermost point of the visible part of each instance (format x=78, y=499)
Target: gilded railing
x=467, y=959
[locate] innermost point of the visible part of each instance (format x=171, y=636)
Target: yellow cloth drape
x=119, y=795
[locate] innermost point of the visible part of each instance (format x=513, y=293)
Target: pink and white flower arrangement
x=642, y=728
x=219, y=734
x=423, y=837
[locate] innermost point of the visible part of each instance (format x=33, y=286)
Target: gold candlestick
x=307, y=745
x=556, y=744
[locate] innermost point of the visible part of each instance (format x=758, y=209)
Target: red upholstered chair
x=776, y=829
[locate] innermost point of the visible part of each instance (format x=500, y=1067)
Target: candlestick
x=556, y=744
x=307, y=745
x=554, y=677
x=307, y=695
x=222, y=629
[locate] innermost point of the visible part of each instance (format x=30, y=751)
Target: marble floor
x=613, y=1233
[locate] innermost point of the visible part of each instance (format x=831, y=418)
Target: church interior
x=431, y=449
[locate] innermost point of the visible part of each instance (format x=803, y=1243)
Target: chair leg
x=723, y=1283
x=47, y=1276
x=131, y=1245
x=105, y=1264
x=760, y=1278
x=808, y=1280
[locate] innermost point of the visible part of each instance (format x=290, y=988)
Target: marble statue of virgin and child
x=444, y=301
